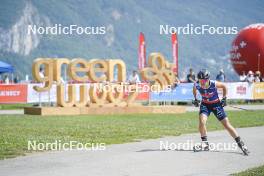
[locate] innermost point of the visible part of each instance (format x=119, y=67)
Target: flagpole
x=258, y=62
x=174, y=41
x=141, y=52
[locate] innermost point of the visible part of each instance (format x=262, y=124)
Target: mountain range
x=123, y=21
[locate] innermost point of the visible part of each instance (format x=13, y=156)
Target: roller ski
x=242, y=146
x=201, y=147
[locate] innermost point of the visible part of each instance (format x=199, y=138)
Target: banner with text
x=236, y=90
x=24, y=93
x=13, y=93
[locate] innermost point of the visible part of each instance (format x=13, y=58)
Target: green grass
x=13, y=106
x=21, y=105
x=16, y=130
x=257, y=171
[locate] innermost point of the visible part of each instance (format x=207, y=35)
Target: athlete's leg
x=220, y=114
x=202, y=129
x=202, y=124
x=231, y=130
x=203, y=115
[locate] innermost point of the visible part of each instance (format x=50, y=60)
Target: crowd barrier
x=236, y=91
x=24, y=93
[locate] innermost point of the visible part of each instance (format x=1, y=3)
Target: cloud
x=211, y=61
x=110, y=35
x=116, y=15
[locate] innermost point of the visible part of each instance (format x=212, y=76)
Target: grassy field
x=13, y=106
x=257, y=171
x=16, y=130
x=21, y=105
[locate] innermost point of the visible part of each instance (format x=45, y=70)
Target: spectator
x=134, y=78
x=176, y=81
x=250, y=77
x=243, y=77
x=27, y=78
x=41, y=72
x=258, y=77
x=191, y=76
x=221, y=76
x=6, y=79
x=16, y=80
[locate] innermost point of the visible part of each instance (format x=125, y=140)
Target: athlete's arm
x=221, y=86
x=195, y=101
x=194, y=92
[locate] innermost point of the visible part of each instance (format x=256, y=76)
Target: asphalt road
x=144, y=158
x=11, y=112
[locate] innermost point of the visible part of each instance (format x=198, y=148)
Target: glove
x=196, y=103
x=223, y=101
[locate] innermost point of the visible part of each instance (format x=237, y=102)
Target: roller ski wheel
x=243, y=147
x=201, y=147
